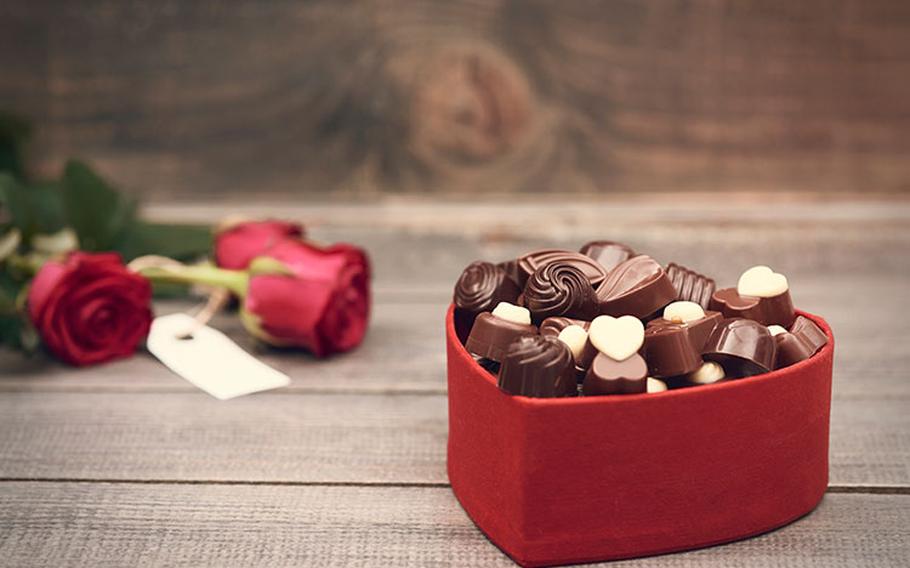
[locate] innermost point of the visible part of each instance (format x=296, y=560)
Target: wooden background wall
x=196, y=98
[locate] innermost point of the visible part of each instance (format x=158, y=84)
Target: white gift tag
x=209, y=359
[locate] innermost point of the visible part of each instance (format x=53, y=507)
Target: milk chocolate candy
x=559, y=288
x=529, y=263
x=638, y=287
x=491, y=335
x=552, y=326
x=608, y=253
x=690, y=285
x=609, y=376
x=699, y=322
x=481, y=287
x=797, y=345
x=538, y=366
x=767, y=311
x=669, y=349
x=742, y=347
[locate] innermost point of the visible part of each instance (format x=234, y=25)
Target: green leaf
x=180, y=242
x=94, y=209
x=33, y=209
x=11, y=323
x=14, y=133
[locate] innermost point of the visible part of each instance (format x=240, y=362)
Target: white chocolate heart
x=575, y=337
x=761, y=282
x=655, y=385
x=682, y=312
x=617, y=338
x=776, y=329
x=709, y=372
x=512, y=313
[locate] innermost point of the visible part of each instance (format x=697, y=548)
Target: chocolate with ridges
x=803, y=341
x=491, y=335
x=481, y=287
x=638, y=287
x=559, y=288
x=527, y=264
x=690, y=285
x=743, y=348
x=552, y=326
x=538, y=366
x=608, y=253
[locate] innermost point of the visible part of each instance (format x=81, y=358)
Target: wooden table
x=126, y=464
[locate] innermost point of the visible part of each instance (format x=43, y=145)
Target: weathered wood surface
x=321, y=438
x=127, y=464
x=470, y=95
x=101, y=525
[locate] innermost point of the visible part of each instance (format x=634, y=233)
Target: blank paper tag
x=209, y=359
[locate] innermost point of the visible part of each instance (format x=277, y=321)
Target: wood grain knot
x=471, y=104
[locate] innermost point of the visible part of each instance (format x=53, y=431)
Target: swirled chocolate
x=552, y=326
x=538, y=366
x=529, y=263
x=559, y=288
x=690, y=285
x=608, y=253
x=638, y=287
x=480, y=288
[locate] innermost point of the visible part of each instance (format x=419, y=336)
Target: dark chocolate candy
x=768, y=311
x=480, y=288
x=690, y=285
x=743, y=347
x=608, y=253
x=609, y=376
x=538, y=366
x=638, y=287
x=559, y=288
x=527, y=264
x=552, y=326
x=491, y=336
x=669, y=349
x=803, y=341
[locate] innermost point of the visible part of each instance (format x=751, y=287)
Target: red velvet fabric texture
x=558, y=481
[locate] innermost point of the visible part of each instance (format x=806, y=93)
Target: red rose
x=312, y=297
x=240, y=243
x=89, y=308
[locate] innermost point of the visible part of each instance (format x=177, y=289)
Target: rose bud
x=236, y=244
x=306, y=296
x=88, y=308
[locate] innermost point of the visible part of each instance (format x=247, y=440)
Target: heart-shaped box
x=559, y=481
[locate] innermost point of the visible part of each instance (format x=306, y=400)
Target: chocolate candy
x=538, y=366
x=742, y=347
x=493, y=332
x=551, y=327
x=669, y=350
x=690, y=285
x=481, y=287
x=608, y=253
x=529, y=263
x=638, y=286
x=559, y=288
x=709, y=373
x=655, y=385
x=576, y=338
x=768, y=311
x=609, y=376
x=699, y=322
x=803, y=341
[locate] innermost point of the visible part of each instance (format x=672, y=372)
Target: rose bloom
x=312, y=297
x=240, y=243
x=88, y=308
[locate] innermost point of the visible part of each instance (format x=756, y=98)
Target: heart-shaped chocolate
x=762, y=282
x=617, y=338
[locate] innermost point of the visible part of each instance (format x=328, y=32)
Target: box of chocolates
x=605, y=406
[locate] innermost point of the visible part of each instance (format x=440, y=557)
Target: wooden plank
x=473, y=95
x=68, y=524
x=320, y=438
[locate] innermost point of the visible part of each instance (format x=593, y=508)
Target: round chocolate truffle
x=480, y=288
x=559, y=289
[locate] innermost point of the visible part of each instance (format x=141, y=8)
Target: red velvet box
x=559, y=481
